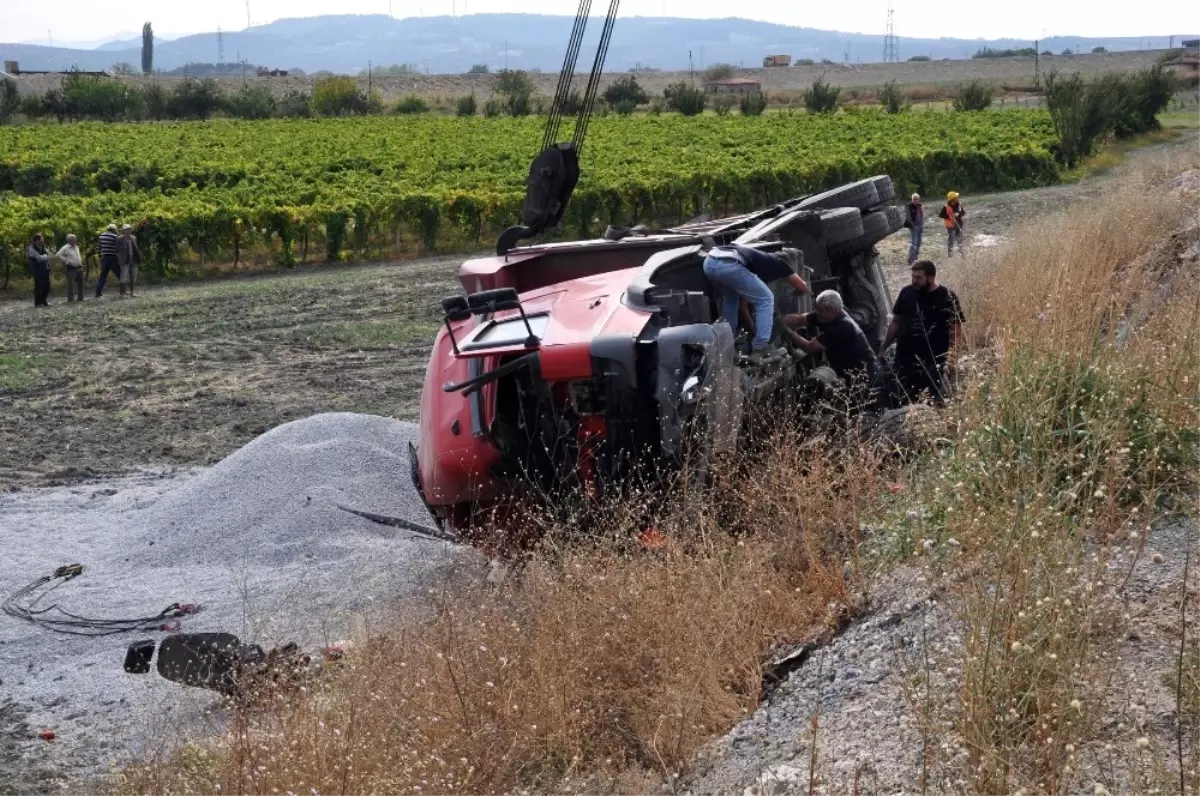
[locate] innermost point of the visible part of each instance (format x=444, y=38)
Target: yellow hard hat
x=952, y=196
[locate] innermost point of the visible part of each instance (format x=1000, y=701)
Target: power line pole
x=1037, y=78
x=247, y=13
x=890, y=50
x=220, y=46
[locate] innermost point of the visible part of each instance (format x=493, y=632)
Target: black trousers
x=41, y=285
x=107, y=264
x=922, y=375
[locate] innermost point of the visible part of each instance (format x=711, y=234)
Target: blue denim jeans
x=914, y=246
x=733, y=281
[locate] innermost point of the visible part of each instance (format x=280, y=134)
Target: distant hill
x=448, y=45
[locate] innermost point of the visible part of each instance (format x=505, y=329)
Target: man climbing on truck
x=741, y=272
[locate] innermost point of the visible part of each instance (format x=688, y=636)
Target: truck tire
x=876, y=226
x=840, y=225
x=861, y=194
x=895, y=217
x=884, y=187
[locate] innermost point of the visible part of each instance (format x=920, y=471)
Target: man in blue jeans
x=740, y=272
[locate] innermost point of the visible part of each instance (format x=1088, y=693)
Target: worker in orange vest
x=952, y=213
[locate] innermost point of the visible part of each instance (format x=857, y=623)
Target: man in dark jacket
x=926, y=326
x=844, y=344
x=741, y=272
x=38, y=260
x=915, y=221
x=108, y=244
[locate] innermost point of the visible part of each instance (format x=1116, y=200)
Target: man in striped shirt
x=109, y=241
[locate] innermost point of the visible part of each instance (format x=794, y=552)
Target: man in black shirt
x=926, y=326
x=846, y=347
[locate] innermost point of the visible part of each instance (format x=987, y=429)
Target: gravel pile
x=257, y=539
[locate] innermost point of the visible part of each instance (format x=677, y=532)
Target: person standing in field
x=108, y=257
x=128, y=257
x=914, y=219
x=927, y=328
x=68, y=255
x=38, y=260
x=953, y=213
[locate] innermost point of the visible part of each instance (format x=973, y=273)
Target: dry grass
x=1067, y=444
x=596, y=670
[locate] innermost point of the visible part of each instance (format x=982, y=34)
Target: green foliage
x=338, y=95
x=147, y=49
x=493, y=108
x=251, y=102
x=32, y=106
x=1123, y=105
x=753, y=104
x=723, y=103
x=821, y=97
x=1018, y=52
x=94, y=97
x=195, y=99
x=625, y=90
x=684, y=98
x=974, y=96
x=803, y=62
x=479, y=69
x=295, y=103
x=625, y=107
x=466, y=106
x=363, y=181
x=123, y=68
x=1099, y=49
x=10, y=100
x=394, y=69
x=515, y=91
x=892, y=98
x=155, y=100
x=919, y=58
x=412, y=104
x=718, y=72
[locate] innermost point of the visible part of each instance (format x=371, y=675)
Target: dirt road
x=184, y=375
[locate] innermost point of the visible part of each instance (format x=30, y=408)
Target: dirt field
x=184, y=375
x=1004, y=71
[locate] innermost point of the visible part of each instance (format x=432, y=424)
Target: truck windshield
x=508, y=332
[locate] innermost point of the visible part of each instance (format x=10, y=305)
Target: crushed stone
x=257, y=539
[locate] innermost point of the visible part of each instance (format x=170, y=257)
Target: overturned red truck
x=570, y=366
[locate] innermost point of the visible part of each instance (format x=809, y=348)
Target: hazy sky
x=88, y=20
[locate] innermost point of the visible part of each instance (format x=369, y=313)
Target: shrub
x=515, y=90
x=625, y=107
x=919, y=58
x=753, y=104
x=251, y=102
x=94, y=97
x=988, y=52
x=493, y=108
x=32, y=106
x=625, y=89
x=684, y=98
x=1098, y=50
x=295, y=103
x=10, y=100
x=466, y=106
x=975, y=96
x=194, y=99
x=718, y=72
x=338, y=95
x=892, y=98
x=1078, y=115
x=518, y=104
x=804, y=62
x=723, y=103
x=412, y=104
x=155, y=99
x=821, y=97
x=479, y=69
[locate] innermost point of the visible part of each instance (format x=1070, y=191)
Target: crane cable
x=562, y=91
x=593, y=85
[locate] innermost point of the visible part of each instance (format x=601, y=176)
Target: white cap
x=127, y=226
x=112, y=227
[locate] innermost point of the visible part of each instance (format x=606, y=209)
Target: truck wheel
x=861, y=194
x=884, y=187
x=895, y=218
x=876, y=226
x=840, y=225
